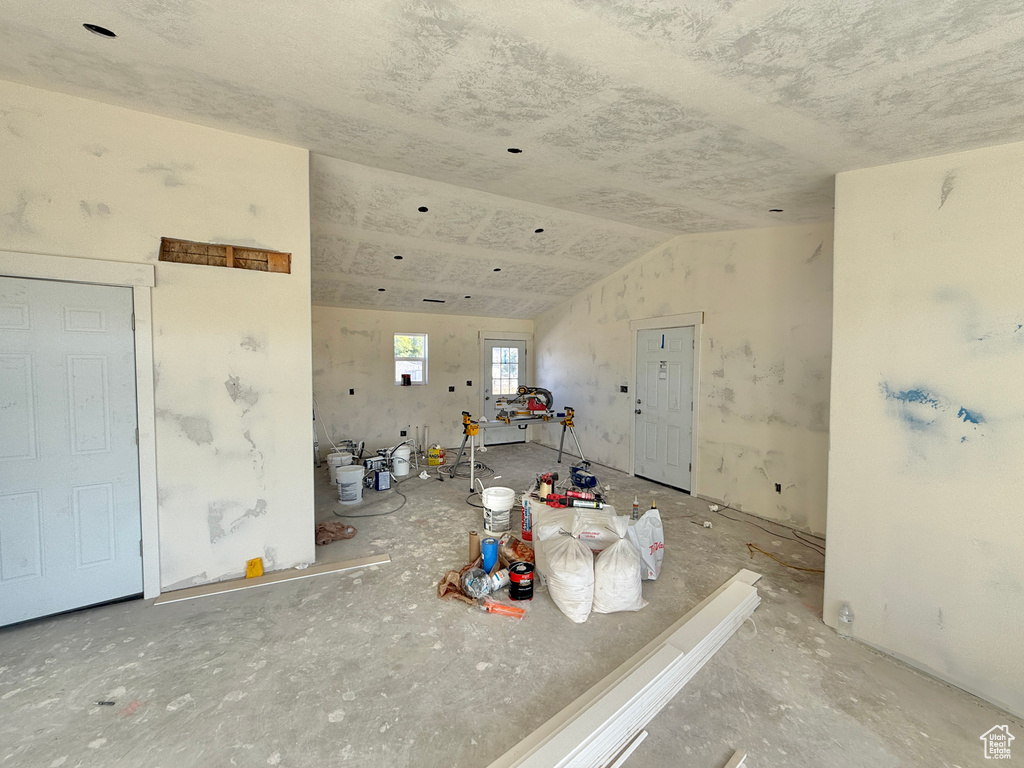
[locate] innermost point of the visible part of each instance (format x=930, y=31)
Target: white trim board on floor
x=292, y=574
x=597, y=725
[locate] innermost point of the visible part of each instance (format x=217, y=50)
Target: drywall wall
x=764, y=362
x=231, y=347
x=927, y=411
x=354, y=349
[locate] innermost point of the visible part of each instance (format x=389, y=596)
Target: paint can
x=520, y=576
x=499, y=579
x=489, y=548
x=527, y=520
x=400, y=461
x=498, y=508
x=350, y=484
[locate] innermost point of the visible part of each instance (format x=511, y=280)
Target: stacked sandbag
x=570, y=574
x=617, y=582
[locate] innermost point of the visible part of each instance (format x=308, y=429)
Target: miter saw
x=534, y=402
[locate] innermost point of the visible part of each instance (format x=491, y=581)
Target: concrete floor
x=369, y=668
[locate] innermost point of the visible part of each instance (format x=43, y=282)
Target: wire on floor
x=752, y=547
x=813, y=546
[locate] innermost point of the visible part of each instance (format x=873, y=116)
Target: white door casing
x=70, y=524
x=504, y=367
x=664, y=405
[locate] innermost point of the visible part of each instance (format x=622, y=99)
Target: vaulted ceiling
x=636, y=120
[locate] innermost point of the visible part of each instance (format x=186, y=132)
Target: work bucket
x=400, y=461
x=337, y=459
x=350, y=484
x=498, y=508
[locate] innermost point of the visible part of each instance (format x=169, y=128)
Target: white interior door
x=664, y=405
x=504, y=370
x=70, y=523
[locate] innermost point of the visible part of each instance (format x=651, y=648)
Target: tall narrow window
x=504, y=370
x=411, y=357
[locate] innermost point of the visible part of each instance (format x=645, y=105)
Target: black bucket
x=520, y=576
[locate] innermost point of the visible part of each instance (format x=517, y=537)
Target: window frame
x=422, y=360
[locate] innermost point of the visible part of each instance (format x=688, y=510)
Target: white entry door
x=664, y=405
x=70, y=521
x=504, y=370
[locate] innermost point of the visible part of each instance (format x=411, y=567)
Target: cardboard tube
x=474, y=546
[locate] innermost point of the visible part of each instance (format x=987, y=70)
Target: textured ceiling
x=666, y=116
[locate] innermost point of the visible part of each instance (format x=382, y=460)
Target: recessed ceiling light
x=399, y=258
x=467, y=297
x=96, y=29
x=381, y=290
x=435, y=301
x=423, y=209
x=515, y=150
x=774, y=210
x=538, y=231
x=497, y=269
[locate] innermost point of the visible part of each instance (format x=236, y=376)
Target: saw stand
x=567, y=425
x=470, y=429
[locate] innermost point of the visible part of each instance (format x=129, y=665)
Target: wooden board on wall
x=221, y=255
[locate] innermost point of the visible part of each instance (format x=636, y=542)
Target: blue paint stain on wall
x=921, y=409
x=971, y=417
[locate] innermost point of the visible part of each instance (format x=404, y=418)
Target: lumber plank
x=573, y=709
x=739, y=756
x=598, y=724
x=292, y=574
x=628, y=750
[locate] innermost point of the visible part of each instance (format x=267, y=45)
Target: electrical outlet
x=451, y=389
x=623, y=388
x=403, y=433
x=778, y=487
x=469, y=383
x=351, y=391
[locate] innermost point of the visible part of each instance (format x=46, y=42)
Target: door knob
x=638, y=402
x=487, y=398
x=637, y=411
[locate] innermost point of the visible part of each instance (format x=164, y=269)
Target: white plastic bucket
x=400, y=461
x=350, y=484
x=498, y=508
x=334, y=461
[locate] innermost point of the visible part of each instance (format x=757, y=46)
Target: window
x=411, y=357
x=504, y=370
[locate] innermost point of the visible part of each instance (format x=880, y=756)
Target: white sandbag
x=648, y=536
x=571, y=576
x=596, y=529
x=548, y=525
x=617, y=583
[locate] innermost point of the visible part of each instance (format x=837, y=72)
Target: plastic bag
x=571, y=575
x=648, y=536
x=617, y=583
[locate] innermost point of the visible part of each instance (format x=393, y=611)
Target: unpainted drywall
x=764, y=362
x=927, y=411
x=354, y=349
x=231, y=347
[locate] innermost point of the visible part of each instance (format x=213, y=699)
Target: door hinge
x=133, y=321
x=140, y=547
x=691, y=467
x=691, y=405
x=136, y=435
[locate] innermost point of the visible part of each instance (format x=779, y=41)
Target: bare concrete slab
x=369, y=668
